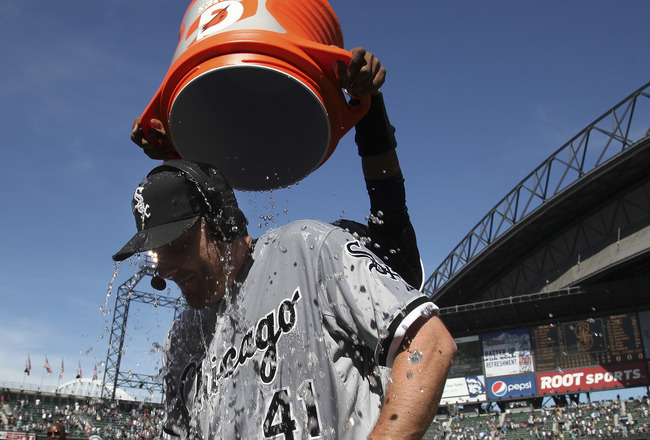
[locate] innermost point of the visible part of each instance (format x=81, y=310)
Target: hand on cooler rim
x=364, y=76
x=155, y=144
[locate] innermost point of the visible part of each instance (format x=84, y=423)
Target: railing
x=611, y=134
x=143, y=396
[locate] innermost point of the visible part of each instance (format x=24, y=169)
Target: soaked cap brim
x=155, y=237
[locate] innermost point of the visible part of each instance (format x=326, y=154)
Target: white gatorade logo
x=219, y=17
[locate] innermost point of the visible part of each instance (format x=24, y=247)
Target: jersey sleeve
x=365, y=300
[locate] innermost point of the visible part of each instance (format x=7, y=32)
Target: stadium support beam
x=583, y=158
x=125, y=294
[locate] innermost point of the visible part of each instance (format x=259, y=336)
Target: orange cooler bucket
x=251, y=89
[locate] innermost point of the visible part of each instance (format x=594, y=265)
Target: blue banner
x=511, y=387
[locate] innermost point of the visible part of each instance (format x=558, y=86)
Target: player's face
x=198, y=265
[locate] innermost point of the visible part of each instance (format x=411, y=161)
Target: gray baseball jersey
x=294, y=352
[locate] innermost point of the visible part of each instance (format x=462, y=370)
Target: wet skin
x=203, y=268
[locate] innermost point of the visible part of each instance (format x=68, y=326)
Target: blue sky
x=480, y=92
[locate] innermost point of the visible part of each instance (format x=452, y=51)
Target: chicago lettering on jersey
x=264, y=336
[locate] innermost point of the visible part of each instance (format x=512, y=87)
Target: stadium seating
x=135, y=420
x=127, y=420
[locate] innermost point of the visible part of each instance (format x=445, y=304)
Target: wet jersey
x=294, y=352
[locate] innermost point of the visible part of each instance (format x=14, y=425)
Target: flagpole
x=42, y=374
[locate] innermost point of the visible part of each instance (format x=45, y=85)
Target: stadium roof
x=572, y=303
x=624, y=170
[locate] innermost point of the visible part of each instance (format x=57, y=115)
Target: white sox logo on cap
x=140, y=206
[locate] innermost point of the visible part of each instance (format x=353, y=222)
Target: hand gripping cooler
x=252, y=90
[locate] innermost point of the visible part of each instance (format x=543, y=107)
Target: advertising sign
x=464, y=390
x=592, y=378
x=9, y=435
x=469, y=360
x=511, y=387
x=507, y=353
x=644, y=323
x=595, y=341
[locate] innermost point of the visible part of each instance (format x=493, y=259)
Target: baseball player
x=286, y=335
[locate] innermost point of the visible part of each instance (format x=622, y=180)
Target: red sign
x=592, y=378
x=10, y=435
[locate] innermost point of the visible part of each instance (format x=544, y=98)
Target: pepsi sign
x=511, y=387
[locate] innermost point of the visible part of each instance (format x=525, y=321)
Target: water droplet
x=428, y=311
x=415, y=357
x=409, y=375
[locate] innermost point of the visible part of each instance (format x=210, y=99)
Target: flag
x=47, y=366
x=61, y=372
x=95, y=373
x=28, y=365
x=79, y=371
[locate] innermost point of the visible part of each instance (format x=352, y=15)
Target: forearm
x=376, y=143
x=413, y=395
x=375, y=138
x=390, y=227
x=380, y=166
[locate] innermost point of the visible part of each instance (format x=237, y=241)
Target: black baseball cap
x=169, y=201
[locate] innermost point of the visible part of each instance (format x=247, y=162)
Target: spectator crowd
x=135, y=420
x=82, y=420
